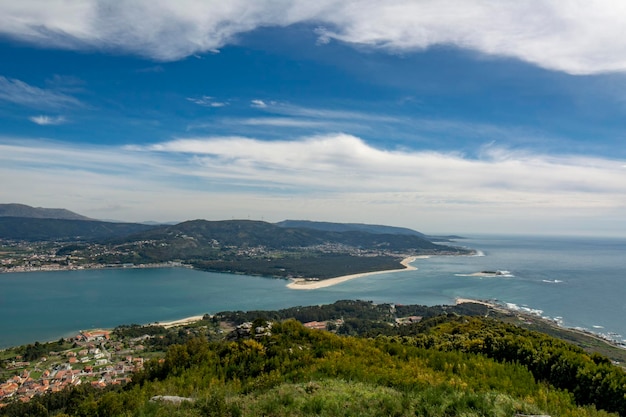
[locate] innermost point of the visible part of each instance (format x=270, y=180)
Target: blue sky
x=445, y=116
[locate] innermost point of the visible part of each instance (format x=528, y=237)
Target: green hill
x=22, y=210
x=447, y=365
x=260, y=248
x=362, y=227
x=347, y=227
x=240, y=246
x=40, y=229
x=248, y=233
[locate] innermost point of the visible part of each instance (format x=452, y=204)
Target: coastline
x=92, y=267
x=167, y=324
x=313, y=285
x=179, y=322
x=528, y=315
x=308, y=284
x=461, y=300
x=406, y=262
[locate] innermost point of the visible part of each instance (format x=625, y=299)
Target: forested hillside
x=238, y=246
x=44, y=229
x=22, y=210
x=448, y=365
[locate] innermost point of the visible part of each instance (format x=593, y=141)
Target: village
x=17, y=256
x=103, y=357
x=94, y=358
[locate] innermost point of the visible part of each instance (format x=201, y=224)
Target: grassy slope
x=300, y=372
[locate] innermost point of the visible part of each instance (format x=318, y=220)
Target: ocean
x=578, y=282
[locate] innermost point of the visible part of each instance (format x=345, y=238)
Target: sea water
x=578, y=282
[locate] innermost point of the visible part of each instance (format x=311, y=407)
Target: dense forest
x=66, y=230
x=445, y=365
x=309, y=264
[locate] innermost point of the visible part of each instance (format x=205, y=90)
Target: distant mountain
x=193, y=238
x=260, y=248
x=241, y=246
x=349, y=227
x=362, y=227
x=37, y=229
x=250, y=233
x=22, y=210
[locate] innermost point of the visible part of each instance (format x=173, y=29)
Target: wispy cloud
x=575, y=37
x=207, y=101
x=258, y=103
x=286, y=117
x=318, y=177
x=282, y=122
x=343, y=162
x=21, y=93
x=289, y=109
x=44, y=120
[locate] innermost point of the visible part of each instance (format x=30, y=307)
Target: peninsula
x=313, y=283
x=306, y=252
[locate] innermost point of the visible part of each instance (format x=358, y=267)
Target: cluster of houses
x=95, y=360
x=23, y=387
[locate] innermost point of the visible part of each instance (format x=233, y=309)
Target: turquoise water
x=582, y=281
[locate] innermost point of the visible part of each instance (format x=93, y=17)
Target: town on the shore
x=102, y=358
x=93, y=358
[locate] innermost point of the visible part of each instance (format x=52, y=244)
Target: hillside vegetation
x=23, y=210
x=346, y=227
x=237, y=246
x=249, y=233
x=254, y=247
x=65, y=230
x=447, y=365
x=362, y=227
x=39, y=239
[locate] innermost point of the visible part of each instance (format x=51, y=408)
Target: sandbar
x=180, y=322
x=460, y=300
x=311, y=284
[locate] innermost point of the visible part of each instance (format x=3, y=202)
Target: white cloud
x=207, y=101
x=44, y=120
x=19, y=92
x=282, y=122
x=567, y=35
x=286, y=115
x=288, y=109
x=258, y=103
x=334, y=177
x=343, y=162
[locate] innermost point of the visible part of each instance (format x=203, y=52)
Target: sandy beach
x=308, y=284
x=180, y=322
x=460, y=300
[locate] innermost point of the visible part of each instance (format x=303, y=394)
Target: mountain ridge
x=24, y=222
x=363, y=227
x=346, y=227
x=250, y=247
x=23, y=210
x=41, y=229
x=255, y=232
